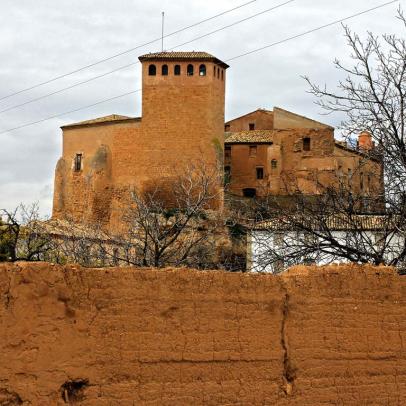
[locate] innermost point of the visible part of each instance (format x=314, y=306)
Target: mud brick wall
x=314, y=336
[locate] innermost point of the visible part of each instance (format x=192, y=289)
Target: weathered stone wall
x=327, y=336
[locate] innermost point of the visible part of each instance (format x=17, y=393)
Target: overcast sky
x=42, y=39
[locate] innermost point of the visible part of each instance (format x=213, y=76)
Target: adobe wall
x=262, y=120
x=325, y=336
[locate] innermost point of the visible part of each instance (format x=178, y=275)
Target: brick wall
x=314, y=336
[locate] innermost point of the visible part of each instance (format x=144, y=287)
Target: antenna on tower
x=163, y=23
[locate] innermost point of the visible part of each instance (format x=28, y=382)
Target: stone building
x=183, y=97
x=182, y=122
x=278, y=152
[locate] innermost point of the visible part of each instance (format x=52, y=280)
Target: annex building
x=278, y=152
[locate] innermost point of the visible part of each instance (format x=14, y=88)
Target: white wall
x=260, y=242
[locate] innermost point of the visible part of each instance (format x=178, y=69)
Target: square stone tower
x=183, y=96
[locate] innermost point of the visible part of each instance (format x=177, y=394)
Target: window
x=78, y=163
x=152, y=70
x=260, y=173
x=227, y=175
x=253, y=150
x=202, y=70
x=227, y=127
x=164, y=70
x=251, y=126
x=218, y=73
x=227, y=151
x=306, y=144
x=190, y=70
x=214, y=71
x=222, y=74
x=274, y=164
x=361, y=181
x=176, y=70
x=249, y=192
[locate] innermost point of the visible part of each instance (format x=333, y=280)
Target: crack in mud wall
x=312, y=336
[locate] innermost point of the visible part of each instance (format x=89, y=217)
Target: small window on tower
x=152, y=70
x=227, y=151
x=260, y=173
x=222, y=74
x=164, y=70
x=190, y=70
x=251, y=126
x=78, y=163
x=176, y=70
x=306, y=144
x=253, y=150
x=218, y=73
x=202, y=70
x=274, y=164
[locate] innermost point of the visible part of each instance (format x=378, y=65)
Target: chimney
x=365, y=141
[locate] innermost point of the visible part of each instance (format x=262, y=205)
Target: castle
x=183, y=98
x=182, y=122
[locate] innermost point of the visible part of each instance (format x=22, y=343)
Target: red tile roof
x=182, y=56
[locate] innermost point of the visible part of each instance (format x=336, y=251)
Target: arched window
x=176, y=70
x=152, y=70
x=202, y=70
x=214, y=71
x=218, y=73
x=190, y=70
x=164, y=70
x=249, y=192
x=222, y=74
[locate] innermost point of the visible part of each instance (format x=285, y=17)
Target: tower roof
x=182, y=56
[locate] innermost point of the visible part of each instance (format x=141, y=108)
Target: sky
x=43, y=39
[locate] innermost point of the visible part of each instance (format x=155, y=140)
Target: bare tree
x=173, y=223
x=338, y=224
x=22, y=235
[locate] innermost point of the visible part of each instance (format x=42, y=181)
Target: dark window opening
x=164, y=70
x=260, y=173
x=78, y=162
x=227, y=127
x=218, y=73
x=361, y=181
x=253, y=150
x=227, y=151
x=274, y=164
x=202, y=70
x=152, y=70
x=176, y=70
x=249, y=192
x=306, y=144
x=251, y=126
x=190, y=70
x=227, y=175
x=222, y=74
x=214, y=71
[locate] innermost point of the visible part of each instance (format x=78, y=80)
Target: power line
x=137, y=62
x=312, y=30
x=126, y=51
x=235, y=57
x=71, y=111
